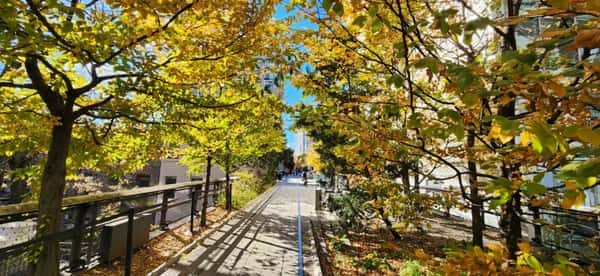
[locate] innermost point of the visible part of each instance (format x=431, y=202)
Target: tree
x=92, y=67
x=408, y=81
x=235, y=136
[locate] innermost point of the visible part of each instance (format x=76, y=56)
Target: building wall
x=171, y=167
x=303, y=143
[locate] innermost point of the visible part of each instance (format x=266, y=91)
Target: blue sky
x=291, y=94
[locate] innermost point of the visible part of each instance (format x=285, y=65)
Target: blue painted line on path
x=300, y=268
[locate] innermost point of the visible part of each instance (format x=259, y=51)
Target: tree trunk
x=332, y=178
x=228, y=189
x=388, y=225
x=206, y=187
x=511, y=222
x=53, y=186
x=416, y=178
x=513, y=233
x=404, y=174
x=476, y=203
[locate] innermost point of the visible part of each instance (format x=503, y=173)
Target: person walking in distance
x=305, y=178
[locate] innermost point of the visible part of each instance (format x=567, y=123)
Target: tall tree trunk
x=476, y=203
x=404, y=174
x=511, y=221
x=416, y=178
x=53, y=186
x=332, y=178
x=228, y=188
x=206, y=188
x=513, y=233
x=389, y=225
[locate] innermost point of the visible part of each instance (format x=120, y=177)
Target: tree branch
x=95, y=105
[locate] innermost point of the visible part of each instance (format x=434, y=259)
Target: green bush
x=371, y=261
x=245, y=189
x=411, y=268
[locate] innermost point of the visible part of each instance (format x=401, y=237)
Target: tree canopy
x=461, y=91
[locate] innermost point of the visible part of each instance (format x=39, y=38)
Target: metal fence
x=554, y=228
x=84, y=217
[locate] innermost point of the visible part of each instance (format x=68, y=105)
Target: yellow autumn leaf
x=496, y=132
x=577, y=201
x=554, y=32
x=570, y=185
x=589, y=135
x=556, y=272
x=539, y=202
x=585, y=39
x=525, y=247
x=561, y=4
x=494, y=247
x=420, y=254
x=525, y=138
x=567, y=203
x=558, y=89
x=580, y=199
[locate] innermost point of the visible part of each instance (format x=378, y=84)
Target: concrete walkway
x=261, y=239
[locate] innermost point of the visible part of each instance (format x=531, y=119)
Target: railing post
x=75, y=261
x=193, y=210
x=537, y=228
x=129, y=246
x=163, y=211
x=215, y=193
x=90, y=242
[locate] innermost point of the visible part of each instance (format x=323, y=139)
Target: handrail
x=32, y=206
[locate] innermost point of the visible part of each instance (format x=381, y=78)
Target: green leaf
x=561, y=4
x=414, y=121
x=376, y=25
x=532, y=188
x=449, y=113
x=360, y=21
x=544, y=142
x=327, y=4
x=471, y=99
x=565, y=270
x=429, y=63
x=459, y=131
x=589, y=168
x=534, y=263
x=502, y=198
x=373, y=9
x=396, y=80
x=538, y=177
x=585, y=182
x=464, y=76
x=338, y=8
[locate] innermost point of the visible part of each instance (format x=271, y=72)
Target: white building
x=303, y=143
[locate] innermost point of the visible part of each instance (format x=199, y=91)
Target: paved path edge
x=188, y=248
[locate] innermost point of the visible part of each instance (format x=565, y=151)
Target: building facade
x=303, y=144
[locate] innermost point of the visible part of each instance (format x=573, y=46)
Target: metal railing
x=83, y=218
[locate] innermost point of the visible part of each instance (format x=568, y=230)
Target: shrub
x=246, y=188
x=411, y=268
